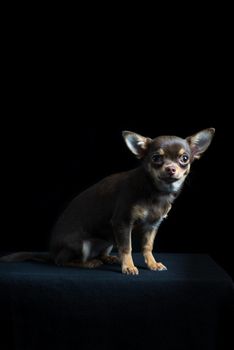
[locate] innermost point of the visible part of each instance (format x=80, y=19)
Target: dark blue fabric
x=185, y=307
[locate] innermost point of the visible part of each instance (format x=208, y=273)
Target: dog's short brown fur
x=138, y=200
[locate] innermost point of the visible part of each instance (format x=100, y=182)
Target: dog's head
x=168, y=158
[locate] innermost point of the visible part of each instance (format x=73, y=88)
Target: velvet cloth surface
x=47, y=307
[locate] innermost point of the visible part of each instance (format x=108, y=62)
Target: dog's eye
x=157, y=158
x=184, y=159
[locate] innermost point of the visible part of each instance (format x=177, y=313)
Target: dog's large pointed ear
x=200, y=142
x=137, y=144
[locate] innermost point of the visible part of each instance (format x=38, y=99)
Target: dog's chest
x=150, y=215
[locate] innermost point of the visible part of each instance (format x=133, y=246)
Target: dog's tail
x=24, y=256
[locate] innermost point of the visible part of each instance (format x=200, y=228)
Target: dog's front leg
x=122, y=234
x=147, y=248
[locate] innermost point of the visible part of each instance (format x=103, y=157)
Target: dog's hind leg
x=88, y=253
x=100, y=249
x=64, y=256
x=82, y=254
x=106, y=258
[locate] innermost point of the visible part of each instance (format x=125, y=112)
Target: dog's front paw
x=157, y=266
x=130, y=270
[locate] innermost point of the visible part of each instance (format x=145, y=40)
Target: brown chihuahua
x=135, y=201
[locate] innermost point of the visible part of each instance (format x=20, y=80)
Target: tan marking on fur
x=149, y=260
x=139, y=212
x=167, y=210
x=161, y=152
x=148, y=243
x=152, y=263
x=127, y=264
x=181, y=151
x=147, y=251
x=183, y=172
x=187, y=170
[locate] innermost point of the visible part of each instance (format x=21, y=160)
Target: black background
x=67, y=103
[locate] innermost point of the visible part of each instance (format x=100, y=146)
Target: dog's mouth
x=168, y=179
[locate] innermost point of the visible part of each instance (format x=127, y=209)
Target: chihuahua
x=122, y=205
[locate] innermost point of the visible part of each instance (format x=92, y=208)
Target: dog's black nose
x=170, y=169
